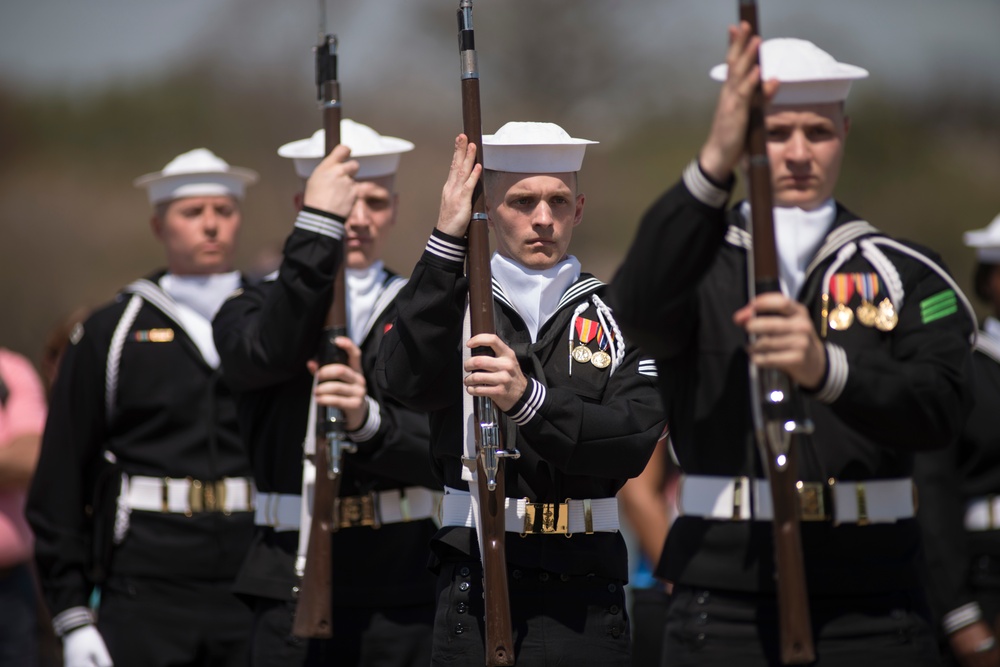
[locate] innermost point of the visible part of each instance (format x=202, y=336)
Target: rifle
x=489, y=446
x=313, y=611
x=774, y=403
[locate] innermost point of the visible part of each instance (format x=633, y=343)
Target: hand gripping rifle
x=775, y=403
x=313, y=612
x=489, y=447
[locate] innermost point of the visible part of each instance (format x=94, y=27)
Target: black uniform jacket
x=265, y=336
x=948, y=479
x=173, y=416
x=580, y=435
x=885, y=394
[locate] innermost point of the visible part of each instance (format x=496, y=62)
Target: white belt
x=745, y=499
x=282, y=511
x=983, y=513
x=189, y=496
x=598, y=515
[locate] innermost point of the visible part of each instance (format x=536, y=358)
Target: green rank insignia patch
x=940, y=305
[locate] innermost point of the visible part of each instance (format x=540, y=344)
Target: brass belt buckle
x=812, y=501
x=206, y=496
x=355, y=511
x=546, y=519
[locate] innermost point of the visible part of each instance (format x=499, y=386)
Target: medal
x=842, y=288
x=601, y=359
x=841, y=318
x=867, y=284
x=887, y=318
x=586, y=330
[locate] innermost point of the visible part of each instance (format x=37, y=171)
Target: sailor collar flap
x=387, y=293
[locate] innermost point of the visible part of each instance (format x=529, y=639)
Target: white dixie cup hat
x=197, y=173
x=533, y=148
x=808, y=74
x=986, y=242
x=377, y=155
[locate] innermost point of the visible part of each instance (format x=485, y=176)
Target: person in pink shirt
x=22, y=418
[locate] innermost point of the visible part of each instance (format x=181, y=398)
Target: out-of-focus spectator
x=56, y=342
x=22, y=418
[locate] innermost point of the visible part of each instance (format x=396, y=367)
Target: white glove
x=84, y=647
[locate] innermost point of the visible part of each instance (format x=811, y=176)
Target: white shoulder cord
x=844, y=254
x=115, y=353
x=123, y=512
x=618, y=346
x=906, y=250
x=886, y=269
x=122, y=509
x=308, y=484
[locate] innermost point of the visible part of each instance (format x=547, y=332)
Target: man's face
x=368, y=225
x=533, y=215
x=805, y=145
x=199, y=234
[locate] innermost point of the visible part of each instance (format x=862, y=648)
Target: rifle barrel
x=314, y=608
x=490, y=471
x=774, y=401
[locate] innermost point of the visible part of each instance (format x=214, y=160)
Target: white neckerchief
x=198, y=299
x=991, y=326
x=535, y=294
x=797, y=235
x=363, y=288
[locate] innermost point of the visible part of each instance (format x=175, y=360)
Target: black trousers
x=556, y=619
x=18, y=624
x=173, y=623
x=719, y=628
x=649, y=618
x=388, y=637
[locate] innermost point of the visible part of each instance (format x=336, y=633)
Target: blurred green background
x=95, y=94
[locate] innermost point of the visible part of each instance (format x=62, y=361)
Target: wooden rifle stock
x=489, y=446
x=775, y=402
x=314, y=610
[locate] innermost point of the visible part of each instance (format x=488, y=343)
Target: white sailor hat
x=808, y=74
x=377, y=155
x=986, y=242
x=193, y=174
x=533, y=148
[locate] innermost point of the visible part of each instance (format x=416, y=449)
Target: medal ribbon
x=842, y=287
x=603, y=339
x=586, y=329
x=867, y=284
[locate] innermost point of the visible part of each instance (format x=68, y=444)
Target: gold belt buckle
x=206, y=496
x=812, y=501
x=546, y=519
x=355, y=511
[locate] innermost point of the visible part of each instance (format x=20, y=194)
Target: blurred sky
x=915, y=47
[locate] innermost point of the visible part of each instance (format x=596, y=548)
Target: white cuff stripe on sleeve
x=531, y=406
x=372, y=423
x=313, y=222
x=956, y=619
x=71, y=619
x=836, y=379
x=703, y=189
x=648, y=367
x=445, y=249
